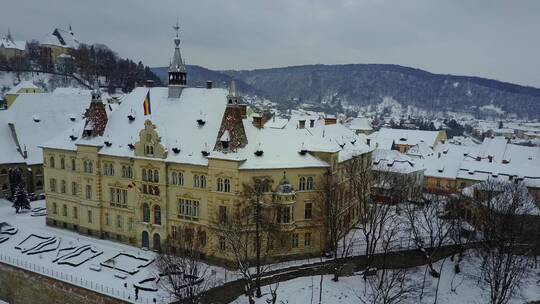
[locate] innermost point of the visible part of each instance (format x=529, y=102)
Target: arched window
x=73, y=166
x=124, y=171
x=85, y=165
x=203, y=181
x=219, y=184
x=51, y=162
x=146, y=213
x=62, y=163
x=90, y=167
x=227, y=185
x=157, y=242
x=144, y=239
x=156, y=176
x=157, y=215
x=309, y=184
x=144, y=177
x=180, y=178
x=111, y=169
x=195, y=181
x=302, y=184
x=130, y=172
x=174, y=178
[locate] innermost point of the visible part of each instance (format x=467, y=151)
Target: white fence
x=127, y=295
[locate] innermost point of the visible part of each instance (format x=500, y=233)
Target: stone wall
x=25, y=287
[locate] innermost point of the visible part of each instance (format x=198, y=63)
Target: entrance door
x=145, y=241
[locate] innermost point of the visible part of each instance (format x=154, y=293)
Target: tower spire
x=177, y=68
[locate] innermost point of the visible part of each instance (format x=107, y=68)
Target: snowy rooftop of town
x=37, y=118
x=13, y=44
x=409, y=137
x=176, y=124
x=394, y=161
x=25, y=84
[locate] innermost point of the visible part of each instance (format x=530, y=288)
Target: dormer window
x=149, y=150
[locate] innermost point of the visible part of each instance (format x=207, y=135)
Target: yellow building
x=24, y=87
x=182, y=169
x=60, y=42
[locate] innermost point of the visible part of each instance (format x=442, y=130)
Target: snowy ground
x=63, y=244
x=350, y=289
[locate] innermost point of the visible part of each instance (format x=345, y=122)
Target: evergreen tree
x=21, y=200
x=18, y=190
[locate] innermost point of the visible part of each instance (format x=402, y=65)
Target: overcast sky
x=490, y=38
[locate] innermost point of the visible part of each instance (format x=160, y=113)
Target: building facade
x=178, y=167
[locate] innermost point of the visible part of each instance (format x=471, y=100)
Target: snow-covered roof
x=176, y=123
x=62, y=38
x=13, y=44
x=8, y=148
x=55, y=113
x=409, y=137
x=420, y=150
x=22, y=85
x=394, y=161
x=360, y=123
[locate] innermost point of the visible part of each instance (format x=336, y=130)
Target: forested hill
x=360, y=84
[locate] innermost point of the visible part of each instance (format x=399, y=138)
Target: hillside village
x=198, y=171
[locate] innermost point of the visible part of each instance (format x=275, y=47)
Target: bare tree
x=388, y=286
x=338, y=202
x=243, y=234
x=182, y=272
x=500, y=207
x=430, y=230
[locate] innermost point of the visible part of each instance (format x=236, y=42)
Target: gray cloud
x=490, y=38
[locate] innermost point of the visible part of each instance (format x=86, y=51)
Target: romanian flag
x=146, y=104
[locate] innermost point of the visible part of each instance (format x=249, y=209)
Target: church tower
x=177, y=69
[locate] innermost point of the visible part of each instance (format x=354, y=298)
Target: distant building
x=11, y=48
x=403, y=139
x=24, y=87
x=60, y=42
x=360, y=125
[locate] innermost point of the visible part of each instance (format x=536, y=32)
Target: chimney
x=490, y=157
x=330, y=120
x=209, y=84
x=311, y=123
x=368, y=141
x=257, y=121
x=301, y=124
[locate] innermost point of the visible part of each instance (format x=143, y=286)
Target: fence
x=124, y=295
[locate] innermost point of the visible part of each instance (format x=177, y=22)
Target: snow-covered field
x=59, y=250
x=462, y=288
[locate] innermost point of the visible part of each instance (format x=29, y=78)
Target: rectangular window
x=73, y=188
x=284, y=215
x=63, y=186
x=119, y=221
x=174, y=232
x=307, y=239
x=75, y=212
x=222, y=243
x=223, y=214
x=55, y=208
x=107, y=219
x=64, y=210
x=131, y=224
x=88, y=191
x=295, y=240
x=52, y=184
x=188, y=209
x=89, y=216
x=308, y=211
